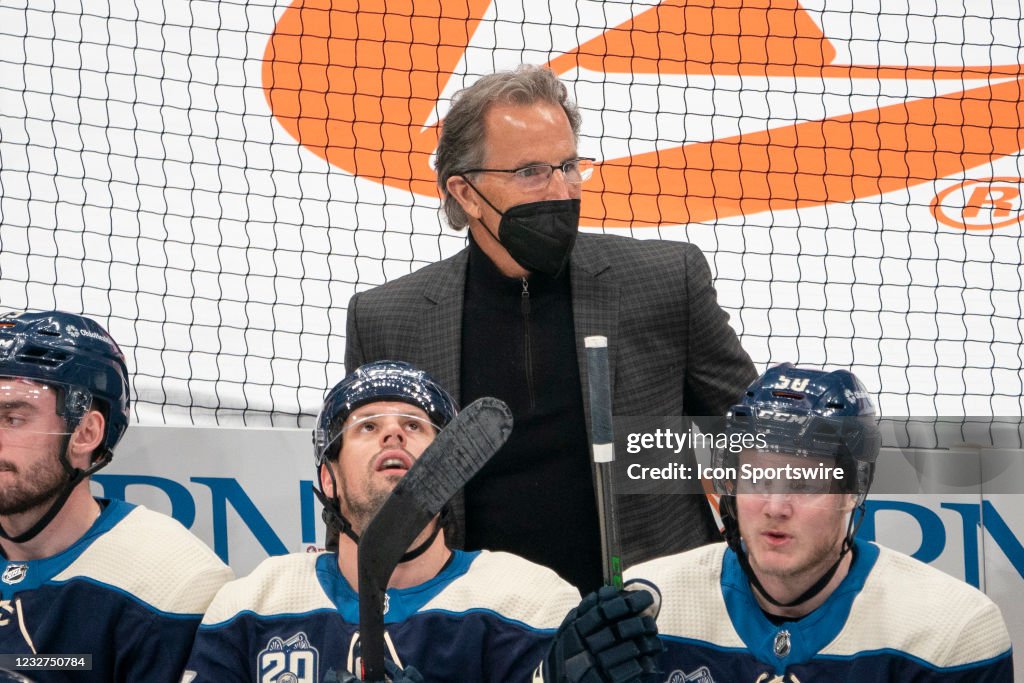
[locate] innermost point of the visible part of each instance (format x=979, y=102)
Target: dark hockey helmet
x=811, y=413
x=385, y=380
x=76, y=356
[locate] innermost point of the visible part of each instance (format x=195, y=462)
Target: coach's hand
x=606, y=639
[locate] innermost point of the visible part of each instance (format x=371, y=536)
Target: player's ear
x=465, y=195
x=87, y=437
x=326, y=480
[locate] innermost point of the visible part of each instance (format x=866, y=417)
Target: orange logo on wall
x=984, y=204
x=355, y=81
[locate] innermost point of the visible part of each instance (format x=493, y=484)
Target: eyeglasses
x=537, y=176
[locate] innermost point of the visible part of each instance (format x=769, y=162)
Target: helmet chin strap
x=332, y=516
x=732, y=537
x=75, y=476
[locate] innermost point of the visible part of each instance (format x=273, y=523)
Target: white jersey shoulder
x=692, y=605
x=912, y=607
x=284, y=584
x=155, y=559
x=512, y=587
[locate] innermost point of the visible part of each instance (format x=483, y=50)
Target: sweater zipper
x=524, y=306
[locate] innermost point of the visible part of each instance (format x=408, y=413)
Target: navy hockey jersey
x=891, y=619
x=131, y=592
x=487, y=616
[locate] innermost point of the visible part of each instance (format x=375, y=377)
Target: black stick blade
x=456, y=454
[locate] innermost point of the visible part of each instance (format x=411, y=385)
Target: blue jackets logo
x=15, y=573
x=288, y=661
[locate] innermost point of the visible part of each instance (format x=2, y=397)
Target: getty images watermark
x=919, y=455
x=668, y=440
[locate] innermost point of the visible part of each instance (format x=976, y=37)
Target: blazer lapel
x=595, y=309
x=441, y=351
x=441, y=355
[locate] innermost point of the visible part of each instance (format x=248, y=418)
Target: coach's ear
x=465, y=195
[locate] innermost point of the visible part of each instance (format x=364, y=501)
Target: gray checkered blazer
x=671, y=352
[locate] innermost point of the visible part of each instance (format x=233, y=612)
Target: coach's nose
x=560, y=188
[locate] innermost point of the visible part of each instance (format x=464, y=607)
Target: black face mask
x=540, y=235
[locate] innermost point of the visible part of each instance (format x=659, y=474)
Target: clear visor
x=30, y=407
x=797, y=480
x=369, y=424
x=799, y=494
x=374, y=422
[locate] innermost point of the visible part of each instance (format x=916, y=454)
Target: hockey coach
x=506, y=317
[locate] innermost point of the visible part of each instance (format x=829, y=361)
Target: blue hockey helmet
x=810, y=413
x=803, y=412
x=74, y=355
x=385, y=380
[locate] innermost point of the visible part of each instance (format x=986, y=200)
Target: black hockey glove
x=606, y=639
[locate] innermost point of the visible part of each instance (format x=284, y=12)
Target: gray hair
x=461, y=145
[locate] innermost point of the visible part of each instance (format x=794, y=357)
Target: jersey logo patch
x=782, y=644
x=15, y=573
x=701, y=675
x=294, y=660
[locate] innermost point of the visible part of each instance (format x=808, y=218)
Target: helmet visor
x=804, y=481
x=366, y=423
x=28, y=408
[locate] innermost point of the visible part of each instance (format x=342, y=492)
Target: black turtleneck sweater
x=535, y=498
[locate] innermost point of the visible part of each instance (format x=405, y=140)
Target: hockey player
x=451, y=615
x=792, y=596
x=81, y=575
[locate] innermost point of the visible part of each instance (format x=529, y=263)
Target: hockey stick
x=456, y=454
x=602, y=438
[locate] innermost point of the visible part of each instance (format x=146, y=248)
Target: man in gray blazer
x=507, y=316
